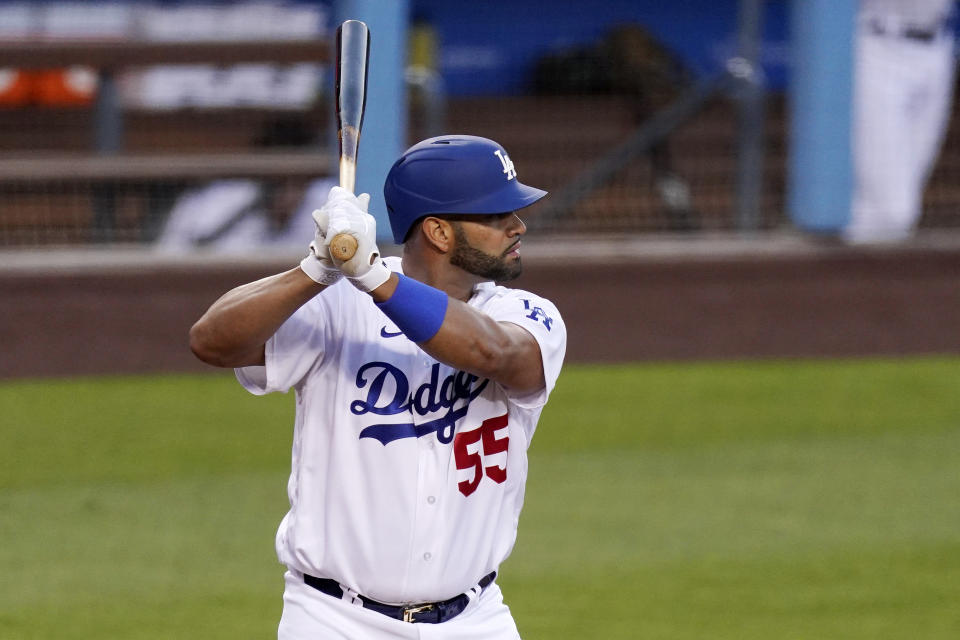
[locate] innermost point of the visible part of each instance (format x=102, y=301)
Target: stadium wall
x=623, y=300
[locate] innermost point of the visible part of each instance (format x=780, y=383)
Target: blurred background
x=157, y=124
x=753, y=235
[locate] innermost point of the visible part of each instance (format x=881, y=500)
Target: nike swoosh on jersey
x=389, y=334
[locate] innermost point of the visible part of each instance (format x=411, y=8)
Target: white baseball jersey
x=407, y=475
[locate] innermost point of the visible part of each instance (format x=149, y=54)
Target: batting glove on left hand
x=318, y=264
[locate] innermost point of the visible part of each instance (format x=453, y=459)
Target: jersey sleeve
x=297, y=347
x=541, y=318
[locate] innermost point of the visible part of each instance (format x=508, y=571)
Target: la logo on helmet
x=507, y=164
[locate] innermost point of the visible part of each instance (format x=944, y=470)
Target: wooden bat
x=353, y=54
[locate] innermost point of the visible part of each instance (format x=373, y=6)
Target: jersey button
x=427, y=555
x=431, y=499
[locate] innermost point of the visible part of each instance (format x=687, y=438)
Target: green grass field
x=774, y=500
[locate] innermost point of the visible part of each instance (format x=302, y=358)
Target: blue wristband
x=416, y=308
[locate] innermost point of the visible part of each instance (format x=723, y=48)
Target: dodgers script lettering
x=432, y=397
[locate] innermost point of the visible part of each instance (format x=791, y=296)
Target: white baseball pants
x=902, y=95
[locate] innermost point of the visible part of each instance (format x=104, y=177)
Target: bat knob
x=343, y=247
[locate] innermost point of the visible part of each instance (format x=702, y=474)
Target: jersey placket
x=426, y=541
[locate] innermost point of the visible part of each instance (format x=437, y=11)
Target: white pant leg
x=902, y=95
x=933, y=100
x=881, y=172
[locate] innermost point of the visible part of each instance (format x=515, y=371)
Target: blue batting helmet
x=453, y=174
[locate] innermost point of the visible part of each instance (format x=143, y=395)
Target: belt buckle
x=409, y=612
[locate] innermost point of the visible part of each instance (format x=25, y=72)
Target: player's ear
x=438, y=233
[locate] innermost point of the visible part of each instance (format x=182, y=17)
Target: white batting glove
x=318, y=264
x=365, y=270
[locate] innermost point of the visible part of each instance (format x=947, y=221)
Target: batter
x=418, y=384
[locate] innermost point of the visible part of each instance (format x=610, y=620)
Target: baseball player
x=418, y=384
x=903, y=83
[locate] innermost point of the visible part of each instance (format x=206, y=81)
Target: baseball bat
x=353, y=54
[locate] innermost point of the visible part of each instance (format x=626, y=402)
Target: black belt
x=429, y=612
x=920, y=34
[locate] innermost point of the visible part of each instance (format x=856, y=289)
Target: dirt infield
x=711, y=305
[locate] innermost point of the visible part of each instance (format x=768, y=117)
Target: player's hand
x=348, y=214
x=318, y=264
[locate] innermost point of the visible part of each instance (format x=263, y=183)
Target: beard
x=475, y=261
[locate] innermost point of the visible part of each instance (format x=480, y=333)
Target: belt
x=910, y=32
x=429, y=612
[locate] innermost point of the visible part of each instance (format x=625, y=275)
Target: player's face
x=488, y=245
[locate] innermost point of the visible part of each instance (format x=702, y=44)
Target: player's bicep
x=290, y=353
x=541, y=322
x=523, y=363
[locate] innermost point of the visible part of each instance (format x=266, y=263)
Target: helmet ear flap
x=414, y=226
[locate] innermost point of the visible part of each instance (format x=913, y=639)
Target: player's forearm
x=234, y=330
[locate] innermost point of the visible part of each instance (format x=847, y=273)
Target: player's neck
x=439, y=273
